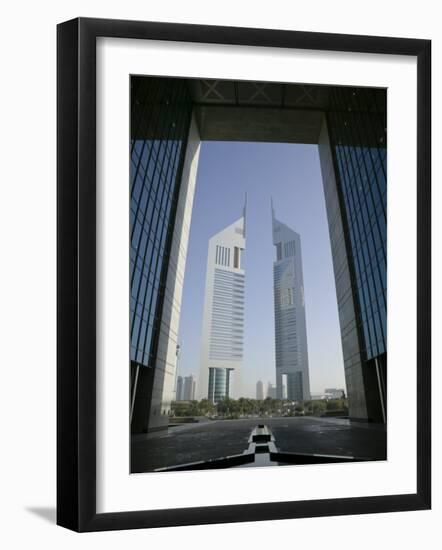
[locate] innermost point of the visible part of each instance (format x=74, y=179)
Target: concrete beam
x=224, y=123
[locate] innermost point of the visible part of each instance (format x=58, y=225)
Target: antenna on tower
x=244, y=214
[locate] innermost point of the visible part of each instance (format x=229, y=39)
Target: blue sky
x=291, y=175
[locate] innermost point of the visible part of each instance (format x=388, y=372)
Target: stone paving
x=219, y=438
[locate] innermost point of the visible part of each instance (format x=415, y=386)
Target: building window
x=236, y=257
x=278, y=252
x=290, y=296
x=219, y=384
x=222, y=256
x=238, y=254
x=289, y=249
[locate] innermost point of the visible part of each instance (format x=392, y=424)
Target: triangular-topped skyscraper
x=291, y=354
x=223, y=317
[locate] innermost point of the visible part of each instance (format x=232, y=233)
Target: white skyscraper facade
x=291, y=354
x=223, y=316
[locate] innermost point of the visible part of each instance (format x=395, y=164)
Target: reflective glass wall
x=160, y=118
x=357, y=131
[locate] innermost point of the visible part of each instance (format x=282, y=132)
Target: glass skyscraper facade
x=160, y=119
x=291, y=353
x=219, y=384
x=357, y=132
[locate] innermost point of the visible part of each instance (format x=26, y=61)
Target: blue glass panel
x=360, y=156
x=155, y=165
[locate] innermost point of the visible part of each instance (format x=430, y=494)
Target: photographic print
x=222, y=274
x=258, y=317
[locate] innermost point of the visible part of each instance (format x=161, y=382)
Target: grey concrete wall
x=346, y=307
x=258, y=124
x=164, y=384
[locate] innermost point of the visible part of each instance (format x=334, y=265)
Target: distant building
x=290, y=327
x=259, y=390
x=317, y=396
x=185, y=388
x=334, y=393
x=189, y=388
x=223, y=319
x=179, y=388
x=271, y=390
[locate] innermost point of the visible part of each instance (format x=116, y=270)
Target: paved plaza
x=210, y=440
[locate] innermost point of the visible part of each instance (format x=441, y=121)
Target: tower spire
x=244, y=213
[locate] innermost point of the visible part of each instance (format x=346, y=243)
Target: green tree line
x=237, y=408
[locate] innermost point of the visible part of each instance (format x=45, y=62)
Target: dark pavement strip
x=219, y=438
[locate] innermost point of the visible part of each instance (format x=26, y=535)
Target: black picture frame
x=76, y=273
